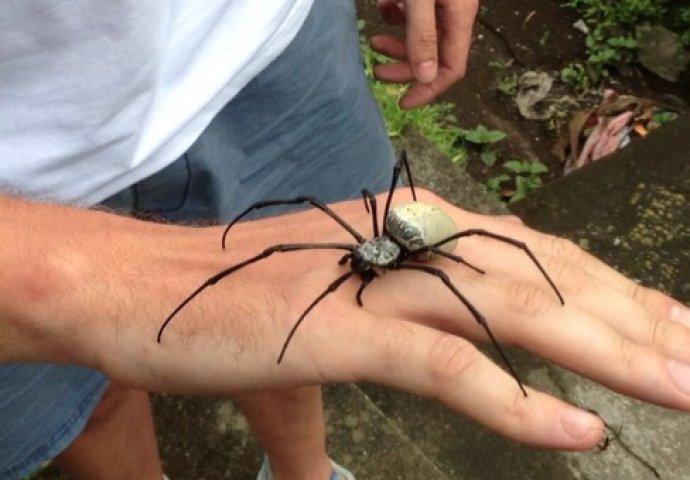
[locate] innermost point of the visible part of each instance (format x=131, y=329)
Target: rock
x=661, y=52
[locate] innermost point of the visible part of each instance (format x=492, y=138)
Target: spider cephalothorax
x=411, y=234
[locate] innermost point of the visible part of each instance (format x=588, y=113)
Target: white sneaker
x=339, y=473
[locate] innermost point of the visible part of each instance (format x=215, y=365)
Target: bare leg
x=290, y=427
x=118, y=440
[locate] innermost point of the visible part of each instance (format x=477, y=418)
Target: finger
x=389, y=45
x=586, y=345
x=624, y=313
x=422, y=39
x=447, y=368
x=527, y=314
x=641, y=318
x=391, y=11
x=394, y=72
x=658, y=304
x=454, y=37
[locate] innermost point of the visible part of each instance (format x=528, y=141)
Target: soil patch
x=510, y=38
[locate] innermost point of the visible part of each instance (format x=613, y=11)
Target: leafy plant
x=576, y=76
x=523, y=177
x=508, y=84
x=611, y=40
x=483, y=138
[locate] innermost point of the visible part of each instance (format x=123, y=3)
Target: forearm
x=68, y=276
x=93, y=288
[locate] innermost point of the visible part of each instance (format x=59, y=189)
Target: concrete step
x=633, y=210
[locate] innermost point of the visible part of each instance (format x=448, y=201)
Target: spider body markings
x=411, y=234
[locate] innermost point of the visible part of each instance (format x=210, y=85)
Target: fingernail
x=680, y=374
x=681, y=314
x=578, y=423
x=426, y=71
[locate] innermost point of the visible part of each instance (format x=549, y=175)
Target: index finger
x=422, y=39
x=454, y=21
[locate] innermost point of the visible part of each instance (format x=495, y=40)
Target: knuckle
x=636, y=291
x=426, y=38
x=528, y=299
x=517, y=408
x=564, y=248
x=452, y=358
x=627, y=354
x=658, y=334
x=398, y=337
x=568, y=276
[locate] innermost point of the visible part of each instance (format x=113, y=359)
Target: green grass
x=436, y=122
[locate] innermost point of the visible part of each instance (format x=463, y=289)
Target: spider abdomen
x=417, y=224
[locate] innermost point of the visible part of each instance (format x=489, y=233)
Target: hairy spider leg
x=330, y=289
x=440, y=274
x=402, y=162
x=315, y=202
x=451, y=256
x=367, y=277
x=287, y=247
x=501, y=238
x=370, y=207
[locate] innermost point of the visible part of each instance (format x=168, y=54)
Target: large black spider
x=412, y=232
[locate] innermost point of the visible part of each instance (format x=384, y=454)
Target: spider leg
x=330, y=289
x=366, y=280
x=295, y=201
x=406, y=164
x=343, y=260
x=511, y=241
x=441, y=275
x=448, y=255
x=402, y=162
x=288, y=247
x=370, y=199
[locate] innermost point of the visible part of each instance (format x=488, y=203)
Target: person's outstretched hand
x=94, y=289
x=433, y=55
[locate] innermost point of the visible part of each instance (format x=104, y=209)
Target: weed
x=523, y=177
x=483, y=138
x=508, y=84
x=612, y=39
x=575, y=75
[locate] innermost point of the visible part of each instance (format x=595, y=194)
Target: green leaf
x=488, y=157
x=538, y=167
x=516, y=166
x=482, y=135
x=494, y=183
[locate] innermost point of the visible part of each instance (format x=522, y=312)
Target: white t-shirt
x=98, y=94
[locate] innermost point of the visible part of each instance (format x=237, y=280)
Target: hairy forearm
x=93, y=288
x=69, y=276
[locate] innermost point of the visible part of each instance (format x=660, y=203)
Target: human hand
x=104, y=309
x=436, y=46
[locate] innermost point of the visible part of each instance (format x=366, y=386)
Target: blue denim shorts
x=307, y=125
